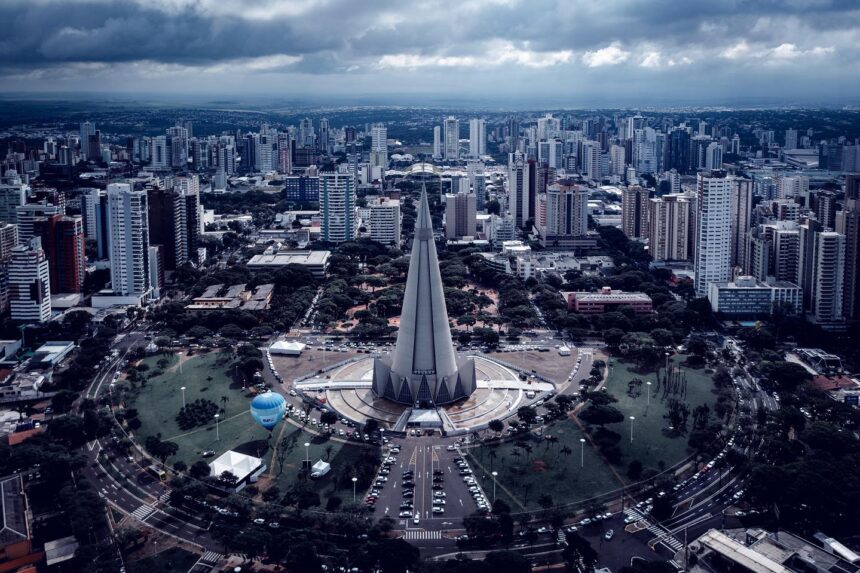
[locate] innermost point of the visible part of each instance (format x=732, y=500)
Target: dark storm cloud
x=48, y=41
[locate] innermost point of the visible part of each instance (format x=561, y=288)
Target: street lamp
x=495, y=474
x=217, y=429
x=354, y=479
x=632, y=419
x=183, y=396
x=667, y=367
x=582, y=452
x=649, y=392
x=307, y=455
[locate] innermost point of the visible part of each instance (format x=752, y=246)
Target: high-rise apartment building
x=160, y=156
x=337, y=205
x=13, y=194
x=564, y=215
x=437, y=142
x=385, y=221
x=477, y=138
x=828, y=282
x=379, y=145
x=167, y=225
x=8, y=240
x=87, y=130
x=519, y=189
x=712, y=254
x=634, y=212
x=671, y=227
x=62, y=239
x=740, y=217
x=460, y=216
x=29, y=283
x=128, y=224
x=94, y=211
x=451, y=128
x=790, y=138
x=27, y=215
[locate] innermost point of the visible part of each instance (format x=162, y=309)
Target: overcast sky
x=583, y=52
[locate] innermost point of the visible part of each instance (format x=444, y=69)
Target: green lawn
x=653, y=444
x=173, y=560
x=342, y=457
x=204, y=376
x=548, y=469
x=525, y=476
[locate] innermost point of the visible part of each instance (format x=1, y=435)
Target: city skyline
x=577, y=54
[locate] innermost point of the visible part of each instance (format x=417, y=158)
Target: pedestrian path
x=211, y=557
x=143, y=512
x=660, y=533
x=421, y=534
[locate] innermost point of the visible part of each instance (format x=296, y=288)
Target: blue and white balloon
x=268, y=409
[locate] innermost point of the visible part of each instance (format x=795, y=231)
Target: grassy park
x=533, y=472
x=529, y=469
x=205, y=376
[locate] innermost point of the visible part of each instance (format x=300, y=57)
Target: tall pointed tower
x=424, y=367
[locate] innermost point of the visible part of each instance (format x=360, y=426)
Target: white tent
x=287, y=348
x=320, y=468
x=240, y=465
x=564, y=351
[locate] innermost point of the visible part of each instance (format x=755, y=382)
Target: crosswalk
x=660, y=533
x=211, y=557
x=164, y=498
x=143, y=512
x=421, y=534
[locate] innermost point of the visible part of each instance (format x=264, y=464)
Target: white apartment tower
x=670, y=227
x=29, y=283
x=385, y=221
x=452, y=139
x=713, y=249
x=337, y=204
x=128, y=229
x=437, y=142
x=477, y=138
x=460, y=216
x=828, y=279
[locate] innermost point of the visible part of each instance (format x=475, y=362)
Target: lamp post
x=354, y=479
x=649, y=392
x=495, y=474
x=183, y=396
x=307, y=455
x=582, y=452
x=667, y=368
x=632, y=419
x=217, y=429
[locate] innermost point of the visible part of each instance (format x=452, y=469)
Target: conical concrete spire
x=424, y=366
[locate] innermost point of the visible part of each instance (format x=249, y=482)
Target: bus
x=157, y=472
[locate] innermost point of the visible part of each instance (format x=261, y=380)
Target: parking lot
x=426, y=485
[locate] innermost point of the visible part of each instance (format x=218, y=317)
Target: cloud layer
x=512, y=48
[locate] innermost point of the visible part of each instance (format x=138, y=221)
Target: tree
x=398, y=556
x=786, y=376
x=545, y=501
x=199, y=470
x=527, y=414
x=601, y=415
x=496, y=426
x=328, y=417
x=634, y=470
x=506, y=562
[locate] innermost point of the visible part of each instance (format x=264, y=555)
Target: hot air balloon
x=268, y=409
